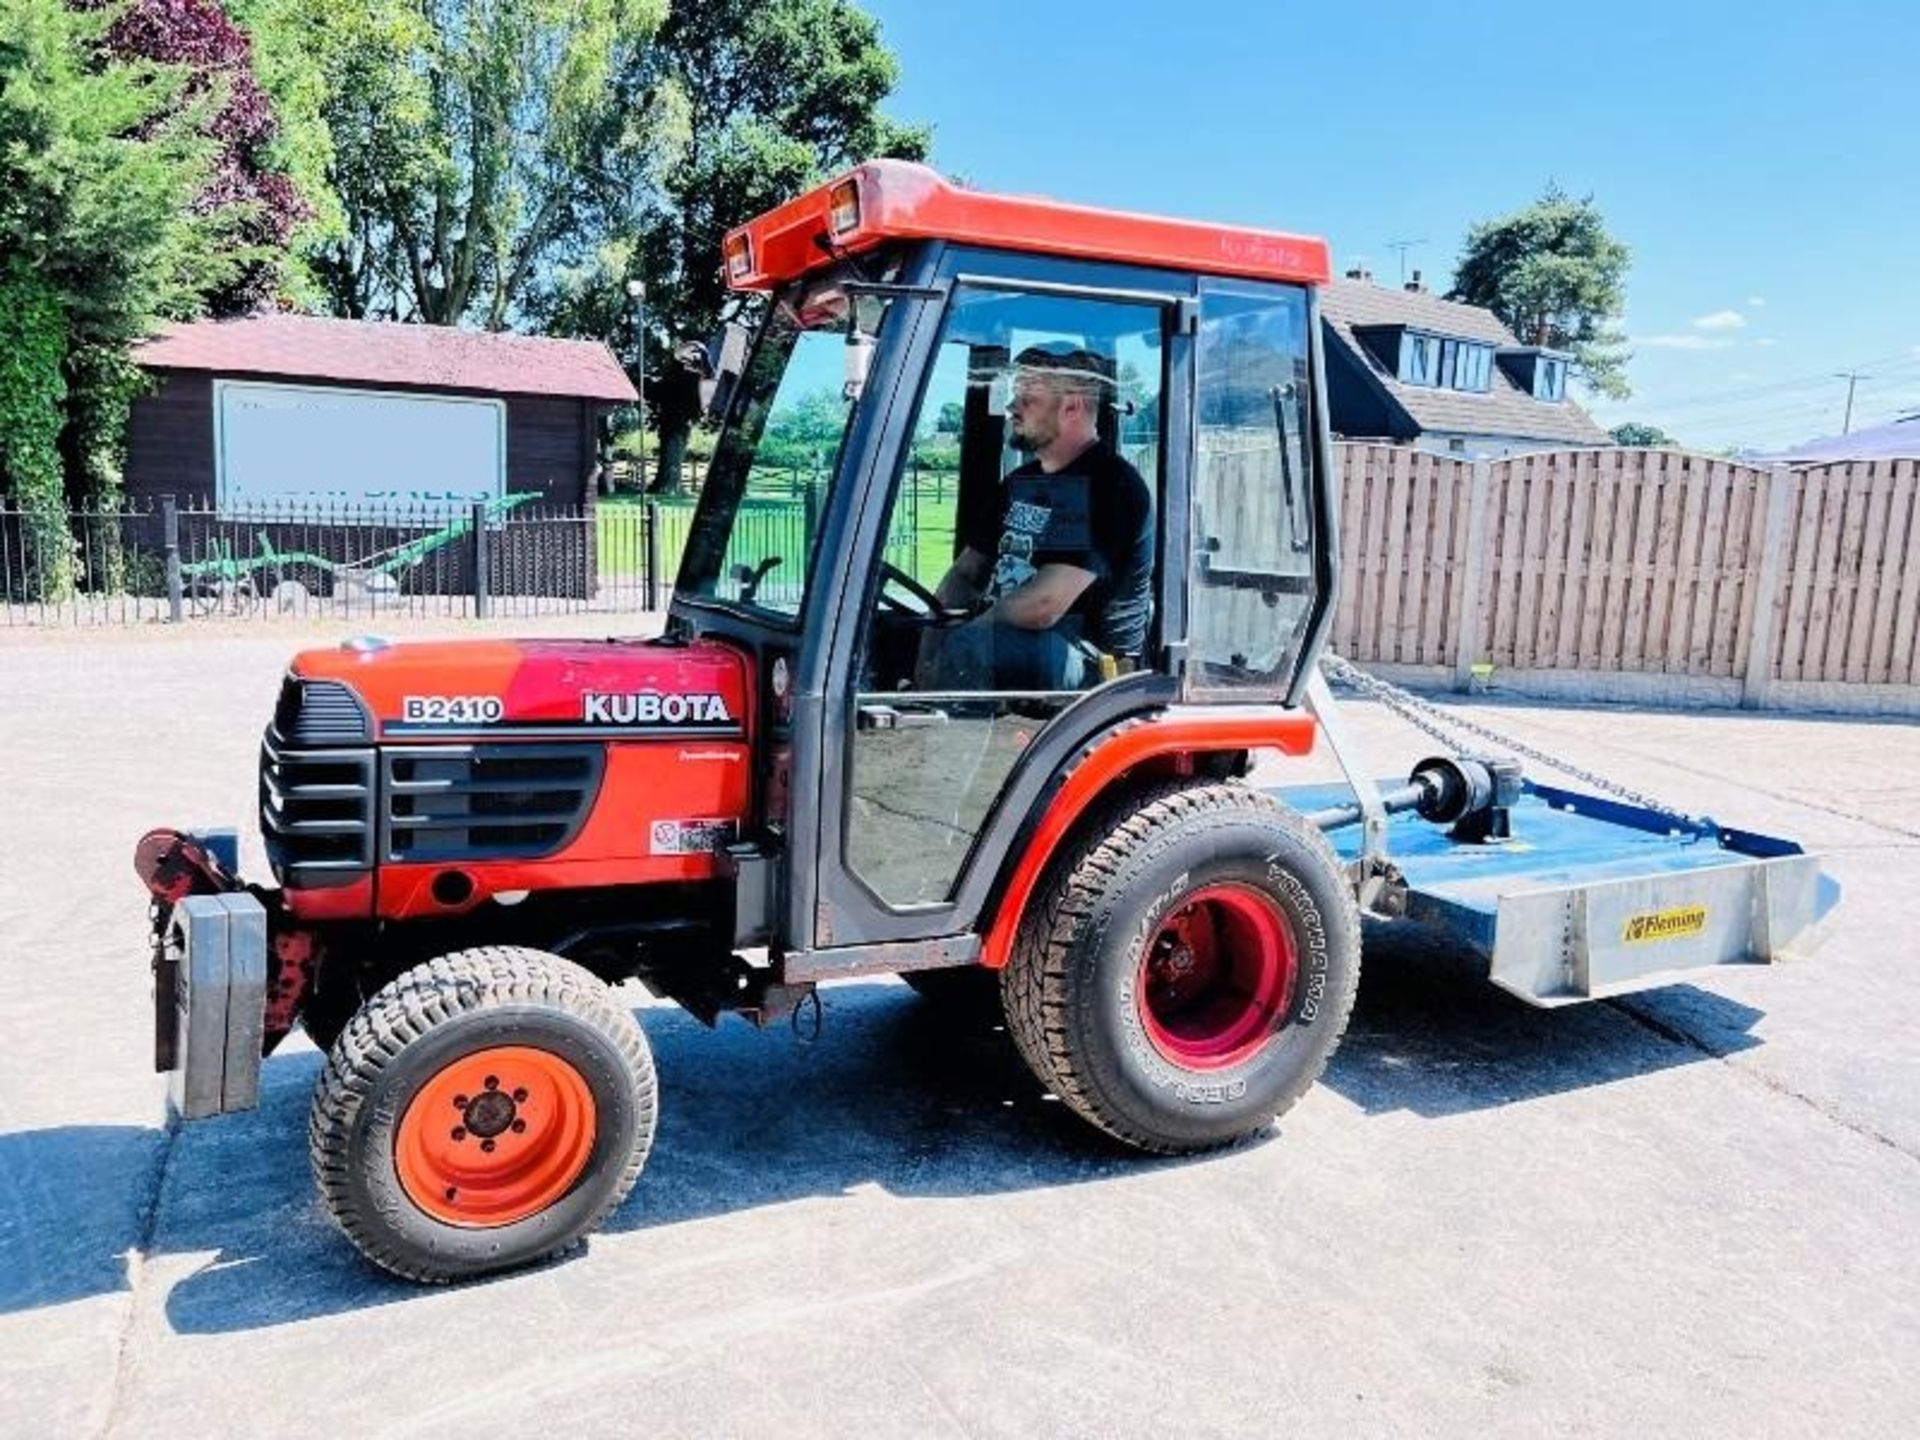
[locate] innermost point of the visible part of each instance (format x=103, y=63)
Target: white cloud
x=1681, y=342
x=1721, y=320
x=1769, y=340
x=1756, y=302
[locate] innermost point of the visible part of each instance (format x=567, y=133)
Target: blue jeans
x=982, y=655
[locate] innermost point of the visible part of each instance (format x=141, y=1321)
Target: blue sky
x=1761, y=159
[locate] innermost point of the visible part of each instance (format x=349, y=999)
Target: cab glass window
x=1254, y=538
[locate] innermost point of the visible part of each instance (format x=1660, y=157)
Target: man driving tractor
x=1060, y=561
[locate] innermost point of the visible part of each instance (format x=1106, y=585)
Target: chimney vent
x=1361, y=273
x=1416, y=285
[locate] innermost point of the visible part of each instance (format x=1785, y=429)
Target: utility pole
x=637, y=293
x=1853, y=378
x=1401, y=247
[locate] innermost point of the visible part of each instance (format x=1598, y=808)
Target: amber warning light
x=843, y=207
x=739, y=252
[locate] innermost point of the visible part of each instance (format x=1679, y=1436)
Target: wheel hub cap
x=495, y=1136
x=1217, y=978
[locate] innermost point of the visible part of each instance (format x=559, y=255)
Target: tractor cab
x=995, y=476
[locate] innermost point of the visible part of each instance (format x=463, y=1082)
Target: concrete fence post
x=1479, y=523
x=1780, y=488
x=481, y=601
x=170, y=548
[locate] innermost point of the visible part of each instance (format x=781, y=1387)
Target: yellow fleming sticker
x=1665, y=924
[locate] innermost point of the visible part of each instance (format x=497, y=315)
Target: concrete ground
x=1696, y=1212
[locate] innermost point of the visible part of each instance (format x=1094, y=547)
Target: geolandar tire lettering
x=1093, y=989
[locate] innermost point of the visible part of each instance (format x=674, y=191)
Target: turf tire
x=427, y=1019
x=1069, y=988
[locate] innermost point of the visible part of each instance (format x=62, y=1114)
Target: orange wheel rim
x=496, y=1136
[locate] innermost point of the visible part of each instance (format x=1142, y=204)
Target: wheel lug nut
x=459, y=1102
x=493, y=1082
x=459, y=1133
x=519, y=1127
x=520, y=1095
x=451, y=1192
x=487, y=1145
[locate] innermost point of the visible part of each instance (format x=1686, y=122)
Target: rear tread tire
x=408, y=1011
x=1043, y=986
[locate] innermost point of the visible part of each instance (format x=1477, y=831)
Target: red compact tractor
x=970, y=697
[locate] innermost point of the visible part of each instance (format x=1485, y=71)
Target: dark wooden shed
x=292, y=407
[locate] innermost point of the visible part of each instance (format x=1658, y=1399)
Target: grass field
x=773, y=522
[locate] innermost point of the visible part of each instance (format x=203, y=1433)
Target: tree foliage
x=1556, y=278
x=469, y=139
x=757, y=100
x=102, y=154
x=247, y=207
x=1646, y=436
x=32, y=346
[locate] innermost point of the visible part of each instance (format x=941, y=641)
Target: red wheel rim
x=1216, y=979
x=495, y=1136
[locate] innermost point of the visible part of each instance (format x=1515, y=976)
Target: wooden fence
x=1724, y=579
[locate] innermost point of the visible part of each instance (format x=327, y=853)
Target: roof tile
x=380, y=352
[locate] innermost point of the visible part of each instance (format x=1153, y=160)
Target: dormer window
x=1419, y=357
x=1465, y=365
x=1540, y=373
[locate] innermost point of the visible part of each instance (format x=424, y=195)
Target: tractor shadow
x=1431, y=1036
x=893, y=1095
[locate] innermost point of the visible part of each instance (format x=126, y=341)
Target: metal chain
x=1446, y=725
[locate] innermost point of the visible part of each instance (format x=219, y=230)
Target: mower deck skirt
x=1593, y=897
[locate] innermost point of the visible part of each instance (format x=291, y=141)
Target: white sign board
x=285, y=443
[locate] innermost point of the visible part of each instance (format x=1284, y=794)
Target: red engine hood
x=467, y=688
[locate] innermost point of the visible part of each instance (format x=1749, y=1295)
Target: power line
x=1906, y=360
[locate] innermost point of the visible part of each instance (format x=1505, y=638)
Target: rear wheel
x=1187, y=970
x=485, y=1110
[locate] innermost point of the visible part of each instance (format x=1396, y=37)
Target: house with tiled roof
x=294, y=408
x=1407, y=367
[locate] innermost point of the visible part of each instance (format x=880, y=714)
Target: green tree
x=100, y=157
x=754, y=101
x=468, y=139
x=1641, y=435
x=1556, y=278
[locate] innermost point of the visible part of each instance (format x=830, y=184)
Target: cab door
x=929, y=769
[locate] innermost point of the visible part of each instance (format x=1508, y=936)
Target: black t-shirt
x=1096, y=514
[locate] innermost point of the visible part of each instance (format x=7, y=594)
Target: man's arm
x=965, y=581
x=1039, y=602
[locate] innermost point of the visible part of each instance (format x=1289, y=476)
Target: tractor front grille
x=450, y=803
x=313, y=713
x=316, y=812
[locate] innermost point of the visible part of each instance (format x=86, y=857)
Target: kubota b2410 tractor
x=973, y=703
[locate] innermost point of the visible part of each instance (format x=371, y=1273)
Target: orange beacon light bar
x=895, y=200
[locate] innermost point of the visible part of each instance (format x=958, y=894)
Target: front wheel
x=1185, y=974
x=483, y=1111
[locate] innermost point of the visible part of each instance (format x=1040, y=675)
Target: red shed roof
x=384, y=353
x=893, y=199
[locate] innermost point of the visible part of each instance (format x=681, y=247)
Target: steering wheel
x=928, y=612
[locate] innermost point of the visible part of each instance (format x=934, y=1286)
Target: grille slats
x=452, y=803
x=318, y=713
x=316, y=812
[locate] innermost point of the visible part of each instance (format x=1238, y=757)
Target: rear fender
x=1173, y=743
